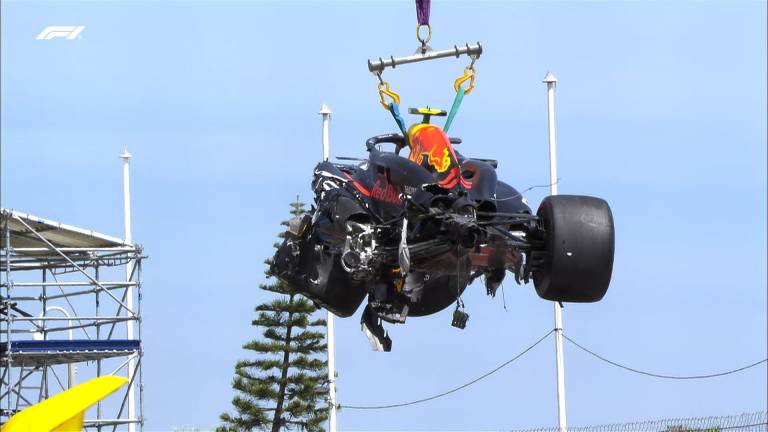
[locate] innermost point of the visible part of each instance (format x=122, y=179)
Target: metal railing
x=747, y=422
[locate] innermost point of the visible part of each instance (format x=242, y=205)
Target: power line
x=525, y=351
x=520, y=194
x=655, y=375
x=487, y=374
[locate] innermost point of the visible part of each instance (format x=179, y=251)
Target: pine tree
x=286, y=386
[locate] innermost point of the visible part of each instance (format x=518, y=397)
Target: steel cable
x=439, y=395
x=655, y=375
x=520, y=194
x=529, y=348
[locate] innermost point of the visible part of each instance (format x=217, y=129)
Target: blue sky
x=661, y=111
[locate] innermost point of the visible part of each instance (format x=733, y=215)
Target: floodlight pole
x=551, y=82
x=126, y=157
x=326, y=113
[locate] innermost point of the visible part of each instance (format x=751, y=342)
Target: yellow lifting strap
x=65, y=411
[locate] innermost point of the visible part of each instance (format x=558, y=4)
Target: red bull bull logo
x=431, y=142
x=440, y=163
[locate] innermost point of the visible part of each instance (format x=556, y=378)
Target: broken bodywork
x=410, y=233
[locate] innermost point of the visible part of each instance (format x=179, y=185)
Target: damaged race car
x=411, y=232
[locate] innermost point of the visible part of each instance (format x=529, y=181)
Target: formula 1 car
x=411, y=232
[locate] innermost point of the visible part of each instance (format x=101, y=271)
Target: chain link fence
x=748, y=422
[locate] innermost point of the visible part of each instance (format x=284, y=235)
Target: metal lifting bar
x=378, y=66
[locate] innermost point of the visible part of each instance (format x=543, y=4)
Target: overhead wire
x=656, y=375
x=529, y=348
x=519, y=194
x=453, y=390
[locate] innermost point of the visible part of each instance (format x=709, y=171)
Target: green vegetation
x=285, y=387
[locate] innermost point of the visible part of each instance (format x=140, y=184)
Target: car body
x=411, y=233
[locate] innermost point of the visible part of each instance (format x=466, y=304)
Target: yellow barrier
x=65, y=411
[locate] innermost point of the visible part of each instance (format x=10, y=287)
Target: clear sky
x=661, y=111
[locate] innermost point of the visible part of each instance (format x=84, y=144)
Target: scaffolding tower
x=70, y=300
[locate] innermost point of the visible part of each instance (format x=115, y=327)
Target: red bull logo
x=384, y=191
x=431, y=142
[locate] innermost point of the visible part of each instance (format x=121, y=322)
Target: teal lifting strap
x=454, y=108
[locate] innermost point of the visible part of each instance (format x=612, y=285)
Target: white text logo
x=67, y=32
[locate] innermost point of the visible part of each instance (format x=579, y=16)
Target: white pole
x=126, y=157
x=551, y=82
x=326, y=113
x=71, y=367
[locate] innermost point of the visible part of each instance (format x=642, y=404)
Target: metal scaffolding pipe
x=41, y=334
x=70, y=261
x=76, y=249
x=73, y=284
x=89, y=318
x=23, y=383
x=77, y=293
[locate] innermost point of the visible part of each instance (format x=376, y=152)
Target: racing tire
x=577, y=260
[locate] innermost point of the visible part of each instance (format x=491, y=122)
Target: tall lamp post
x=551, y=82
x=326, y=113
x=126, y=157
